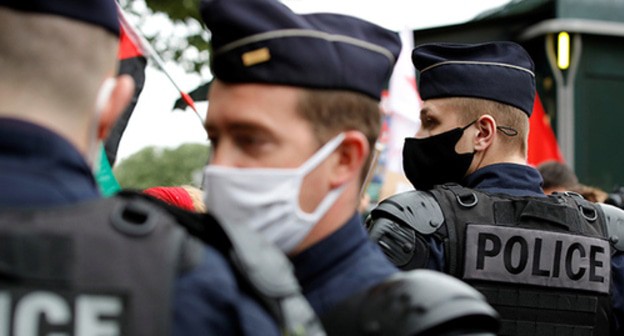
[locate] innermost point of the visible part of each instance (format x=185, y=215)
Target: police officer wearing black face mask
x=479, y=213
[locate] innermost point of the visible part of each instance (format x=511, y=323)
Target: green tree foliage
x=185, y=42
x=176, y=10
x=153, y=166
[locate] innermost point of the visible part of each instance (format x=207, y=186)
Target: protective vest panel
x=98, y=268
x=531, y=257
x=542, y=262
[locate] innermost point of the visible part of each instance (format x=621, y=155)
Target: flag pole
x=160, y=63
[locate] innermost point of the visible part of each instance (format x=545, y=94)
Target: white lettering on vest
x=90, y=309
x=5, y=314
x=82, y=314
x=45, y=305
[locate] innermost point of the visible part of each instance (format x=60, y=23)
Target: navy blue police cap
x=97, y=12
x=263, y=41
x=498, y=71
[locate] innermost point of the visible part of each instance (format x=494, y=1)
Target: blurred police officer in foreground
x=292, y=117
x=544, y=262
x=72, y=263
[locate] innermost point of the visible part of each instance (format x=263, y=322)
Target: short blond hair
x=53, y=58
x=333, y=111
x=505, y=115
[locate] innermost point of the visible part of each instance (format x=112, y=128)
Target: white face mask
x=267, y=199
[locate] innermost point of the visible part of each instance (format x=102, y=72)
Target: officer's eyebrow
x=241, y=127
x=249, y=127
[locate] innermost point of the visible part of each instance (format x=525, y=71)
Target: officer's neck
x=494, y=156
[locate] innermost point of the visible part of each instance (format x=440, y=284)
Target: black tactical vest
x=543, y=263
x=97, y=268
x=107, y=267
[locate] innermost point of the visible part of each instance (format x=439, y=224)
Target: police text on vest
x=39, y=312
x=535, y=257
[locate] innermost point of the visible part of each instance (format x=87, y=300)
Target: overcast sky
x=154, y=124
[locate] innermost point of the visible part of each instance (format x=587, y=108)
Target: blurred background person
x=559, y=177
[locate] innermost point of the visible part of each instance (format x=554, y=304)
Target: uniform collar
x=329, y=252
x=25, y=138
x=506, y=178
x=55, y=162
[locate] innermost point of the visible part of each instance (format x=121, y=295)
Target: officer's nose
x=215, y=156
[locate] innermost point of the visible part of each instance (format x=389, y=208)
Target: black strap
x=454, y=239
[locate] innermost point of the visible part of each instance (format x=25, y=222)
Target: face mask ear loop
x=322, y=154
x=470, y=124
x=508, y=131
x=312, y=163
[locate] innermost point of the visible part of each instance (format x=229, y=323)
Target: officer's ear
x=119, y=99
x=352, y=154
x=486, y=130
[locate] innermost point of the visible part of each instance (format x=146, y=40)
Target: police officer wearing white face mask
x=479, y=212
x=291, y=123
x=292, y=117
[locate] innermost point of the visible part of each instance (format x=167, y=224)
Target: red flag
x=132, y=61
x=129, y=45
x=542, y=142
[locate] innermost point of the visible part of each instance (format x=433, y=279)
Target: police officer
x=479, y=212
x=293, y=112
x=292, y=117
x=72, y=263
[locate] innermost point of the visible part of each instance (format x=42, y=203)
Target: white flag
x=403, y=105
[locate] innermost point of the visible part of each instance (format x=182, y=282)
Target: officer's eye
x=252, y=143
x=428, y=122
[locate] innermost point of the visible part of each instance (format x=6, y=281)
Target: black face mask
x=433, y=160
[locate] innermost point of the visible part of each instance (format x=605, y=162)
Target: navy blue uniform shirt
x=40, y=168
x=506, y=178
x=343, y=264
